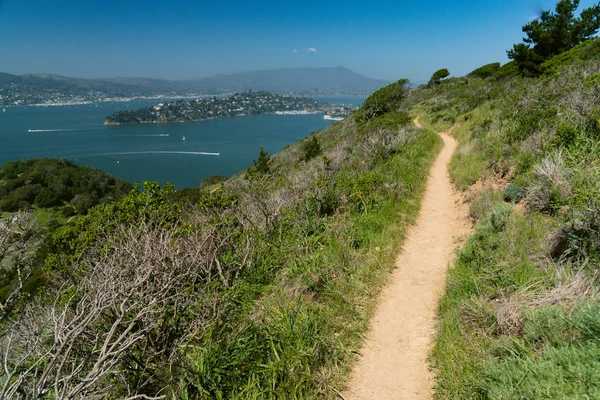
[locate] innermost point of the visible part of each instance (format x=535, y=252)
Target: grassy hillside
x=257, y=287
x=520, y=316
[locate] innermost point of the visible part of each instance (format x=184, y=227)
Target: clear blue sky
x=180, y=39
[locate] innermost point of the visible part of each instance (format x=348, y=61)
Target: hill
x=262, y=286
x=30, y=89
x=520, y=316
x=58, y=184
x=338, y=80
x=262, y=283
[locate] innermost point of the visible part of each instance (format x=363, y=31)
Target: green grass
x=519, y=319
x=298, y=338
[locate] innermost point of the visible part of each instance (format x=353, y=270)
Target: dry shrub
x=338, y=156
x=509, y=316
x=571, y=289
x=115, y=315
x=481, y=202
x=17, y=237
x=534, y=143
x=382, y=143
x=465, y=149
x=549, y=186
x=580, y=99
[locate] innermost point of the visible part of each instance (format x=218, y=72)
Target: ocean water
x=153, y=152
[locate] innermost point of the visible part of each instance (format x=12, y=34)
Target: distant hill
x=48, y=88
x=338, y=79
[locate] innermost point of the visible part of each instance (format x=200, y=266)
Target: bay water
x=155, y=152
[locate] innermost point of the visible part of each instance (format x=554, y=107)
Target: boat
x=332, y=118
x=183, y=138
x=4, y=110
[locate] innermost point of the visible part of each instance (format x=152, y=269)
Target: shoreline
x=158, y=97
x=301, y=112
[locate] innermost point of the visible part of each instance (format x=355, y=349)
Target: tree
x=312, y=149
x=384, y=100
x=438, y=76
x=262, y=166
x=485, y=71
x=554, y=32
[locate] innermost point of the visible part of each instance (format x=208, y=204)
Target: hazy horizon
x=175, y=79
x=183, y=40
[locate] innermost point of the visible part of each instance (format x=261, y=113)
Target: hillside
x=58, y=184
x=260, y=286
x=263, y=285
x=520, y=316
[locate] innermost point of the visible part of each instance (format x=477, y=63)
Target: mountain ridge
x=47, y=88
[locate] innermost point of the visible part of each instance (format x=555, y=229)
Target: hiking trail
x=393, y=360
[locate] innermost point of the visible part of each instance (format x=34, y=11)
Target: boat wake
x=51, y=130
x=134, y=153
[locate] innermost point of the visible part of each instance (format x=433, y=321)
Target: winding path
x=393, y=362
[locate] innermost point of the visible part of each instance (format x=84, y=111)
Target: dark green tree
x=262, y=165
x=384, y=100
x=554, y=32
x=438, y=76
x=312, y=148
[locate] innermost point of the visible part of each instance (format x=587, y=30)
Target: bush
x=45, y=198
x=82, y=203
x=549, y=187
x=9, y=204
x=212, y=180
x=513, y=193
x=383, y=100
x=485, y=71
x=312, y=149
x=438, y=76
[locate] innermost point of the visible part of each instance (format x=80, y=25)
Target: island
x=239, y=104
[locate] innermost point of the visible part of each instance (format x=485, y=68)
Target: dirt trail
x=394, y=357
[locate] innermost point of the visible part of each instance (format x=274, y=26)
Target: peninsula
x=236, y=105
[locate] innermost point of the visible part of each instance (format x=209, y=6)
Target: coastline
x=299, y=112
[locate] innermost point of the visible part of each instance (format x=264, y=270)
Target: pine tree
x=554, y=32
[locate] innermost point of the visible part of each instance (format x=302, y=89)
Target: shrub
x=45, y=198
x=438, y=75
x=549, y=187
x=383, y=100
x=485, y=71
x=513, y=193
x=213, y=180
x=262, y=165
x=312, y=149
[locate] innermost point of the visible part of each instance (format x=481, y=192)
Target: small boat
x=4, y=110
x=183, y=138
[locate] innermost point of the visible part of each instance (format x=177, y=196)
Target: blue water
x=153, y=152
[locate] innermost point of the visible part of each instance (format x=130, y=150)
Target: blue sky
x=187, y=39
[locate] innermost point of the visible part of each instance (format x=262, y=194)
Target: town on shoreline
x=239, y=104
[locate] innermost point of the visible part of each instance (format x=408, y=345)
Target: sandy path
x=394, y=357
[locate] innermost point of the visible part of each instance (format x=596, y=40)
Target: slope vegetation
x=257, y=287
x=393, y=363
x=520, y=315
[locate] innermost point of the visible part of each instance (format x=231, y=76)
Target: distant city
x=49, y=90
